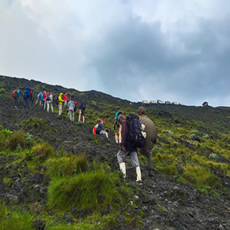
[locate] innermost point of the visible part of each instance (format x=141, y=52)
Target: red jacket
x=65, y=97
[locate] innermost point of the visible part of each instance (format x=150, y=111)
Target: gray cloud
x=132, y=51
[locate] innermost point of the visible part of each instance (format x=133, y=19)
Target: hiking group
x=48, y=101
x=135, y=133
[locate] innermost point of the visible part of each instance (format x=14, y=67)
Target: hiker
x=117, y=128
x=71, y=109
x=100, y=128
x=60, y=104
x=44, y=100
x=65, y=99
x=31, y=96
x=55, y=99
x=16, y=95
x=127, y=149
x=39, y=99
x=26, y=98
x=75, y=109
x=151, y=137
x=49, y=101
x=82, y=111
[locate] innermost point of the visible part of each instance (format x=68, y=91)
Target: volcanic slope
x=174, y=198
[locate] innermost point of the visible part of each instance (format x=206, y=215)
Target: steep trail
x=166, y=204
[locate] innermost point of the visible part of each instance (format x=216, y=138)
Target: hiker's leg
x=79, y=118
x=83, y=118
x=59, y=109
x=70, y=115
x=121, y=157
x=48, y=106
x=135, y=163
x=116, y=137
x=52, y=108
x=119, y=134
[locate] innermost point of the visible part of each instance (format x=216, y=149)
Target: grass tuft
x=18, y=138
x=66, y=166
x=42, y=150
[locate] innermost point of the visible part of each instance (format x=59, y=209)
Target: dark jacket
x=99, y=128
x=82, y=106
x=124, y=137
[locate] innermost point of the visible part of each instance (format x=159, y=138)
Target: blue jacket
x=71, y=105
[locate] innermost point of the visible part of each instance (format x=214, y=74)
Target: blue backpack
x=25, y=95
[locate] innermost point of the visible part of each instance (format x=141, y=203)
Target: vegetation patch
x=90, y=191
x=201, y=176
x=17, y=138
x=42, y=150
x=66, y=166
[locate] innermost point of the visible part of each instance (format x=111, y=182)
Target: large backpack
x=134, y=131
x=48, y=97
x=25, y=94
x=14, y=94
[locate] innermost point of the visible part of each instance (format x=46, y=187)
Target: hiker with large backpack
x=151, y=137
x=49, y=101
x=16, y=95
x=117, y=128
x=82, y=111
x=60, y=102
x=131, y=129
x=100, y=128
x=26, y=97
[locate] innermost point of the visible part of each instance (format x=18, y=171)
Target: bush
x=18, y=137
x=42, y=150
x=200, y=176
x=4, y=137
x=29, y=139
x=2, y=90
x=168, y=132
x=86, y=191
x=67, y=166
x=14, y=220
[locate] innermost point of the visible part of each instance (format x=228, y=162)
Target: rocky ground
x=166, y=203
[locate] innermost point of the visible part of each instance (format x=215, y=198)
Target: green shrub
x=67, y=166
x=196, y=132
x=18, y=148
x=30, y=155
x=14, y=220
x=168, y=132
x=87, y=191
x=29, y=139
x=42, y=150
x=2, y=90
x=4, y=138
x=201, y=176
x=213, y=156
x=18, y=137
x=156, y=150
x=206, y=136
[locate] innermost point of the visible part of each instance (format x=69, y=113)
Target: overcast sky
x=174, y=50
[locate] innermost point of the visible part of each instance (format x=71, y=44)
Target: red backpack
x=14, y=94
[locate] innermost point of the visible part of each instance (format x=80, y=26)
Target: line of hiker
x=134, y=133
x=48, y=101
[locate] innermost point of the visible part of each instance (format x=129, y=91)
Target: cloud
x=127, y=48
